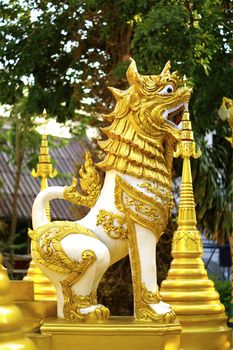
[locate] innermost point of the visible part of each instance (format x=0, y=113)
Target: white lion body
x=107, y=249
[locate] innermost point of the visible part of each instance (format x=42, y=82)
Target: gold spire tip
x=185, y=80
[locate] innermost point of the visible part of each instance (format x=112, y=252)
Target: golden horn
x=166, y=69
x=116, y=93
x=132, y=73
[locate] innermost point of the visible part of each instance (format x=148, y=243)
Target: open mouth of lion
x=174, y=116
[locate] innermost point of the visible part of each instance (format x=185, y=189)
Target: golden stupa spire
x=44, y=167
x=43, y=289
x=187, y=287
x=11, y=319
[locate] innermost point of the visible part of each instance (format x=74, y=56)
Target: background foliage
x=224, y=290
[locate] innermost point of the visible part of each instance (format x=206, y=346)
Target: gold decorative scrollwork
x=143, y=209
x=47, y=248
x=148, y=314
x=89, y=182
x=113, y=224
x=161, y=194
x=149, y=297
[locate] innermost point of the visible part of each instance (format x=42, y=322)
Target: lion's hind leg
x=88, y=260
x=74, y=259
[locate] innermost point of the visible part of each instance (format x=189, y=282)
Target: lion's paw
x=95, y=312
x=159, y=312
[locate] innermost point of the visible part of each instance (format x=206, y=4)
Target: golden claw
x=101, y=313
x=169, y=317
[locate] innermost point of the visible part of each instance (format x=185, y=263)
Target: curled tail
x=39, y=215
x=89, y=182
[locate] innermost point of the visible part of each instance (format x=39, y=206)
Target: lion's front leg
x=147, y=300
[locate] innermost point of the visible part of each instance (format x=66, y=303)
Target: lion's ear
x=132, y=74
x=118, y=94
x=166, y=69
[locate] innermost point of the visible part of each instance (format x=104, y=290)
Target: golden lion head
x=154, y=103
x=145, y=125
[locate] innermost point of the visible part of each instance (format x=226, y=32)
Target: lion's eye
x=168, y=89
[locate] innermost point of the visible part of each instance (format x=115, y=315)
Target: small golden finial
x=45, y=121
x=44, y=167
x=185, y=80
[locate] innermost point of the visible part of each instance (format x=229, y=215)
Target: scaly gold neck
x=131, y=153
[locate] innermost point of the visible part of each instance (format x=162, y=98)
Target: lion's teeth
x=165, y=114
x=179, y=126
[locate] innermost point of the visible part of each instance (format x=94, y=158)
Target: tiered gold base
x=196, y=304
x=193, y=297
x=22, y=290
x=205, y=333
x=117, y=333
x=34, y=311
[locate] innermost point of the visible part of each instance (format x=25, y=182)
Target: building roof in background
x=67, y=157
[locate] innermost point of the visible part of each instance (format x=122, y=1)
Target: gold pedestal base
x=42, y=342
x=117, y=333
x=34, y=311
x=205, y=333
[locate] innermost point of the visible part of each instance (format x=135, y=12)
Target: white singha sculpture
x=128, y=214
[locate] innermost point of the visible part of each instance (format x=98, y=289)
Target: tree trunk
x=19, y=156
